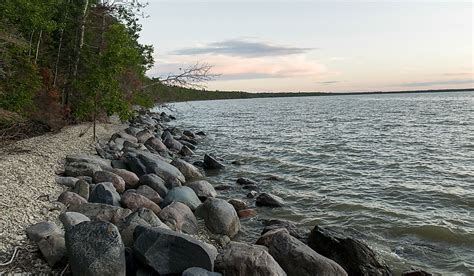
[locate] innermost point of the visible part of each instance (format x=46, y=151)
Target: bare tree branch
x=195, y=76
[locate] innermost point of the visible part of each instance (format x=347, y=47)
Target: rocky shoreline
x=142, y=207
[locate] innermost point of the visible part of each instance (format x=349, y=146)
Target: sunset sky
x=305, y=46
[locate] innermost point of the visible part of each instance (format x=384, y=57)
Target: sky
x=310, y=46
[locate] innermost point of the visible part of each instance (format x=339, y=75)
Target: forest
x=64, y=61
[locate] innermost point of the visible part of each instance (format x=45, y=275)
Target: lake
x=395, y=170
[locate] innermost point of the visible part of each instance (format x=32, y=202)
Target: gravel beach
x=28, y=191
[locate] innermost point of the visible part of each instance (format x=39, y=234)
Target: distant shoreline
x=177, y=94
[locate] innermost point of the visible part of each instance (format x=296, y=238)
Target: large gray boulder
x=202, y=188
x=353, y=255
x=270, y=200
x=212, y=163
x=144, y=217
x=69, y=219
x=168, y=252
x=95, y=248
x=172, y=144
x=104, y=164
x=220, y=217
x=238, y=259
x=296, y=258
x=179, y=217
x=155, y=144
x=105, y=193
x=102, y=212
x=75, y=169
x=188, y=170
x=149, y=193
x=155, y=182
x=104, y=176
x=134, y=201
x=142, y=162
x=184, y=195
x=41, y=230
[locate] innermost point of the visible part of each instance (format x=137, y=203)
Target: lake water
x=396, y=171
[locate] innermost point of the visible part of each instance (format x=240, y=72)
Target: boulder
x=189, y=133
x=353, y=255
x=128, y=134
x=144, y=135
x=95, y=248
x=144, y=217
x=70, y=198
x=102, y=212
x=293, y=229
x=172, y=144
x=41, y=230
x=245, y=213
x=67, y=181
x=202, y=188
x=186, y=151
x=80, y=168
x=155, y=182
x=245, y=181
x=197, y=271
x=295, y=257
x=149, y=193
x=53, y=249
x=188, y=170
x=189, y=145
x=69, y=219
x=158, y=165
x=168, y=252
x=244, y=259
x=131, y=179
x=82, y=188
x=184, y=195
x=155, y=144
x=211, y=163
x=220, y=217
x=179, y=217
x=134, y=201
x=270, y=200
x=201, y=133
x=104, y=164
x=104, y=176
x=238, y=204
x=105, y=193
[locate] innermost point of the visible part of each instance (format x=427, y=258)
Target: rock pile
x=134, y=208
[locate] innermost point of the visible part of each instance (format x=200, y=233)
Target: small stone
x=53, y=249
x=82, y=188
x=245, y=181
x=212, y=163
x=238, y=204
x=270, y=200
x=252, y=194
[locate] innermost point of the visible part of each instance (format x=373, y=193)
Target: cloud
x=328, y=82
x=430, y=83
x=242, y=48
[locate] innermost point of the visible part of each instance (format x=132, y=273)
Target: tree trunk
x=57, y=58
x=31, y=41
x=81, y=38
x=38, y=45
x=79, y=46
